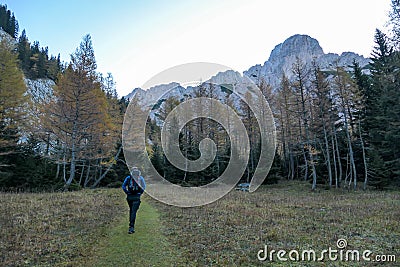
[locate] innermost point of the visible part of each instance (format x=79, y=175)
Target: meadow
x=89, y=228
x=231, y=231
x=54, y=229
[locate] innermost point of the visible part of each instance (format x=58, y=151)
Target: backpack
x=133, y=187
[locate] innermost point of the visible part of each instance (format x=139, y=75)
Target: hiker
x=133, y=186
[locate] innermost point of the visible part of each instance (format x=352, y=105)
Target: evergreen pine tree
x=8, y=22
x=383, y=111
x=24, y=52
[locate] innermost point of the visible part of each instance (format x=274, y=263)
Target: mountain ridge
x=280, y=62
x=307, y=49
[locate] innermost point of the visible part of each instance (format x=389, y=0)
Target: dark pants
x=134, y=203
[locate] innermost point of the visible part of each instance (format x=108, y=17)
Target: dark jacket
x=125, y=185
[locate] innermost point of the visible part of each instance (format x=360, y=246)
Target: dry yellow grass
x=66, y=229
x=288, y=216
x=54, y=229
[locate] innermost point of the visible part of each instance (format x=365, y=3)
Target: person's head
x=135, y=172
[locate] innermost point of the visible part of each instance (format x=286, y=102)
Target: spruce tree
x=383, y=113
x=24, y=52
x=8, y=22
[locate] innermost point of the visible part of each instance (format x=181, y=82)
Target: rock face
x=5, y=36
x=156, y=95
x=307, y=49
x=153, y=94
x=40, y=90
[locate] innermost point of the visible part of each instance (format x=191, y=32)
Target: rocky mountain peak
x=302, y=47
x=296, y=45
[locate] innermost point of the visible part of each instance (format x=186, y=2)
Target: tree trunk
x=314, y=184
x=306, y=164
x=284, y=147
x=64, y=169
x=347, y=171
x=292, y=172
x=82, y=171
x=87, y=175
x=338, y=158
x=47, y=144
x=108, y=168
x=334, y=162
x=353, y=165
x=364, y=158
x=58, y=170
x=73, y=158
x=328, y=158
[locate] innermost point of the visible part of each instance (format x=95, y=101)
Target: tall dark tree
x=24, y=51
x=383, y=114
x=8, y=21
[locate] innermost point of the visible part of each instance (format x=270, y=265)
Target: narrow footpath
x=146, y=247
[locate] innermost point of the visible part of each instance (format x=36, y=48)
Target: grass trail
x=146, y=247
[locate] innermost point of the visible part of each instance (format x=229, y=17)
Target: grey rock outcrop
x=307, y=49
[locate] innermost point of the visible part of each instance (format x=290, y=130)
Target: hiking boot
x=131, y=230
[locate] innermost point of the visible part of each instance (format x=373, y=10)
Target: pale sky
x=135, y=40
